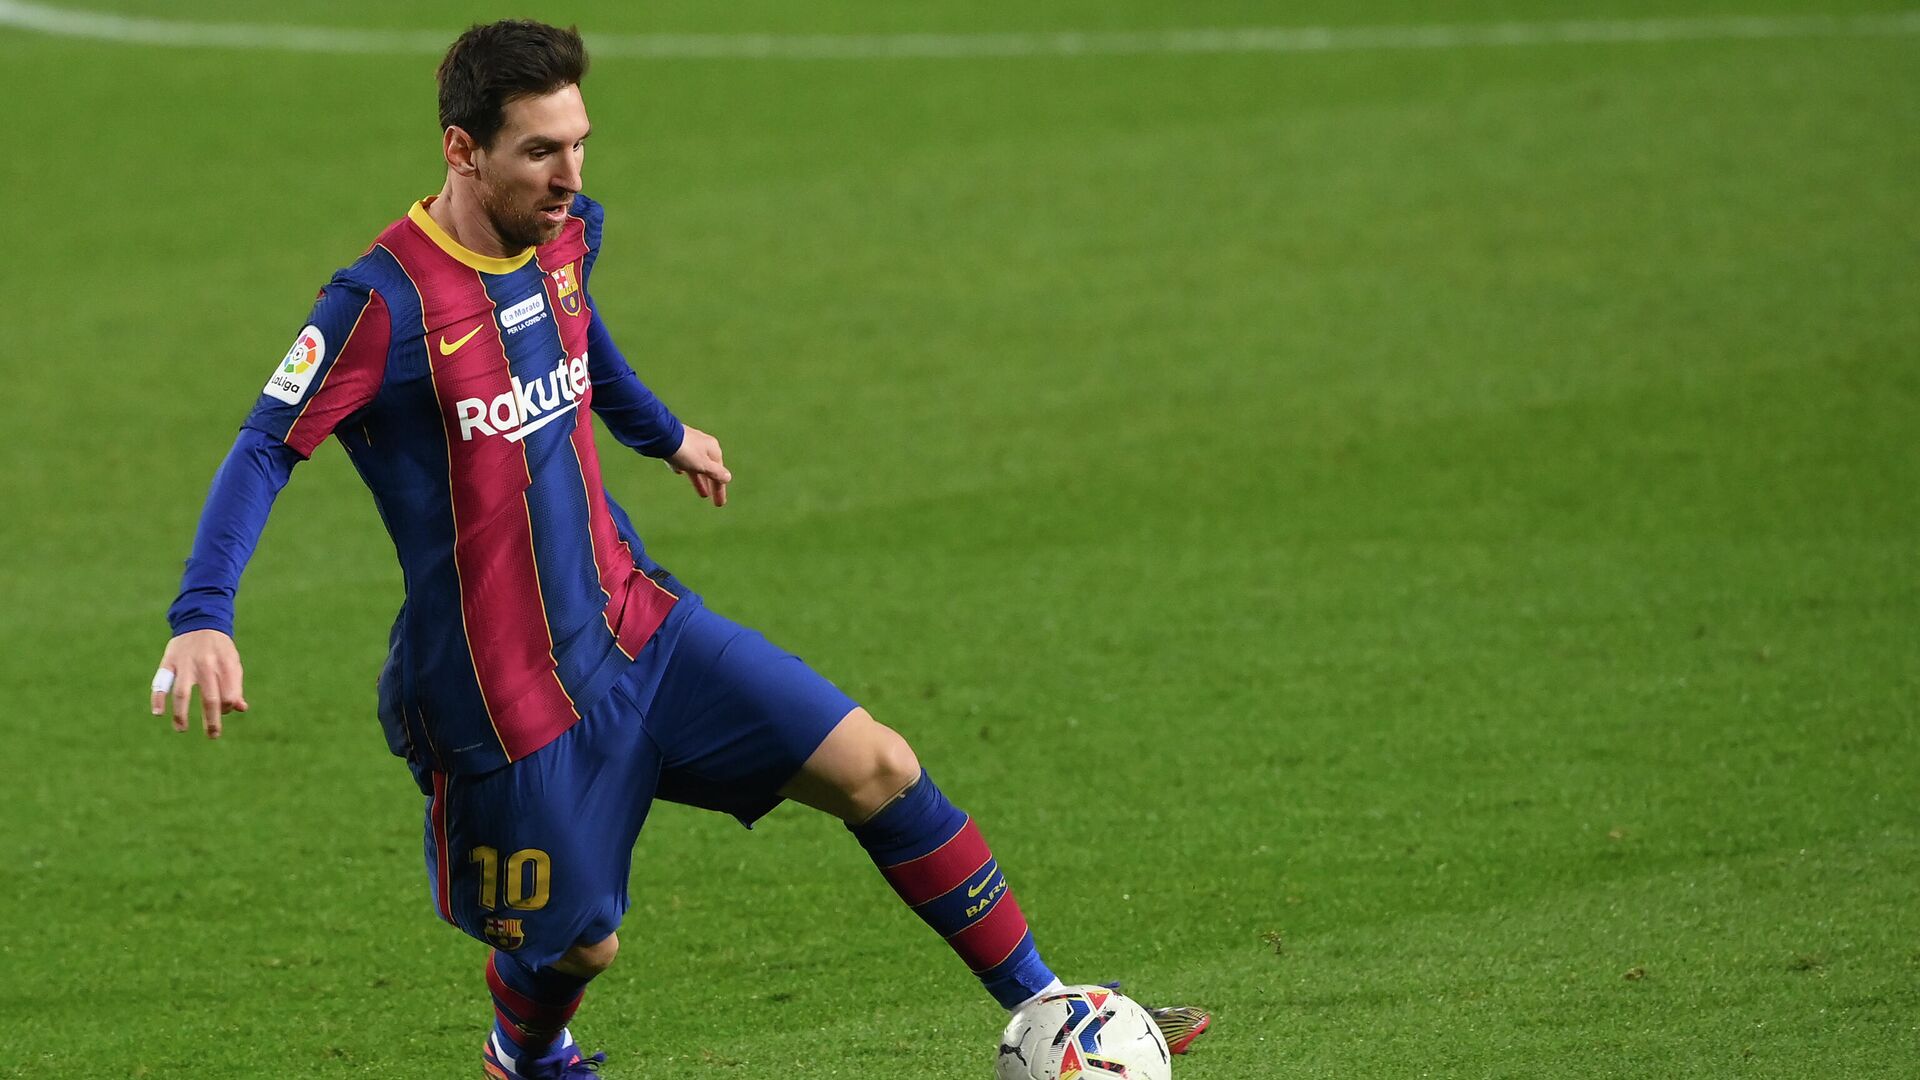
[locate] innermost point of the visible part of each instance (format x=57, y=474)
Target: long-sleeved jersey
x=461, y=385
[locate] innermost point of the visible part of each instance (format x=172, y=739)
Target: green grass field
x=1412, y=548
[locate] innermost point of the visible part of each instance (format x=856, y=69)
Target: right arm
x=335, y=368
x=202, y=652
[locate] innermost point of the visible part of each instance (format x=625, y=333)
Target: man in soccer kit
x=546, y=679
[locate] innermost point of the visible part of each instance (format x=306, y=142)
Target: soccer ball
x=1083, y=1033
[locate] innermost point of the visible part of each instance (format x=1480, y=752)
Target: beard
x=517, y=226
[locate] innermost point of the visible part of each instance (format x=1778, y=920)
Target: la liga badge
x=290, y=380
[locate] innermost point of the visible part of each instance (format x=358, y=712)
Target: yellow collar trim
x=486, y=264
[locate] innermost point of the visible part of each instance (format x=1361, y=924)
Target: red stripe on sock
x=505, y=1020
x=991, y=940
x=941, y=870
x=538, y=1019
x=513, y=999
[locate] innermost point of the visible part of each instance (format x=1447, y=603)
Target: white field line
x=132, y=30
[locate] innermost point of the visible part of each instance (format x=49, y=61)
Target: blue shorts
x=534, y=857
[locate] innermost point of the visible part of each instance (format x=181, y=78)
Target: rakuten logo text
x=529, y=406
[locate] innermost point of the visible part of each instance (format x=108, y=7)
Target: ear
x=460, y=148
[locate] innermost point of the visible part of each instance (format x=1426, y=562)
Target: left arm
x=639, y=419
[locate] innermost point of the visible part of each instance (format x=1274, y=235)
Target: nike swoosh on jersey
x=975, y=890
x=448, y=350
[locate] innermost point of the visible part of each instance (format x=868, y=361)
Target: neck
x=457, y=210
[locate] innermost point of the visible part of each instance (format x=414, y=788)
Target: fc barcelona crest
x=566, y=289
x=505, y=934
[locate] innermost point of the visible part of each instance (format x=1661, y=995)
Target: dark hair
x=492, y=65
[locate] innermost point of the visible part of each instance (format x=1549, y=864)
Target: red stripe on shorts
x=442, y=872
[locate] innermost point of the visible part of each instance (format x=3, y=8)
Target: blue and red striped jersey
x=460, y=386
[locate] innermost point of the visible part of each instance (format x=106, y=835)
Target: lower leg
x=935, y=858
x=929, y=851
x=531, y=1006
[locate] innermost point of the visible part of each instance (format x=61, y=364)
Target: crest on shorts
x=566, y=289
x=505, y=934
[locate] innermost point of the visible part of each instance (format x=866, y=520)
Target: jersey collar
x=486, y=264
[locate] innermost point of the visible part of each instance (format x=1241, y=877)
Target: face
x=527, y=179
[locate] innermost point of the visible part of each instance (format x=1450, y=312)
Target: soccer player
x=546, y=679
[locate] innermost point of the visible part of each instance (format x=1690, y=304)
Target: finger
x=235, y=681
x=699, y=484
x=163, y=684
x=183, y=685
x=211, y=703
x=720, y=494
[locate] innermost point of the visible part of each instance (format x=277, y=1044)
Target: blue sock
x=933, y=855
x=531, y=1006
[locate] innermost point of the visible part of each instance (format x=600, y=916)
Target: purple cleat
x=563, y=1061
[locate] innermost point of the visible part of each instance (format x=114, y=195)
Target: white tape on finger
x=162, y=681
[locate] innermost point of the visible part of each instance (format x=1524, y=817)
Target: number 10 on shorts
x=528, y=872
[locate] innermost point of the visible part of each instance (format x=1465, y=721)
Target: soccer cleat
x=1178, y=1024
x=563, y=1062
x=1181, y=1024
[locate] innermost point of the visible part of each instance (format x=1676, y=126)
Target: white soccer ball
x=1083, y=1033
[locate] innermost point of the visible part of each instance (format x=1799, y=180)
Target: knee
x=895, y=765
x=892, y=768
x=586, y=961
x=861, y=767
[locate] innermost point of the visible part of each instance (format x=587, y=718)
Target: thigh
x=736, y=717
x=534, y=857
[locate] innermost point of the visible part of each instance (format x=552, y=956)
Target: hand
x=699, y=460
x=207, y=659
